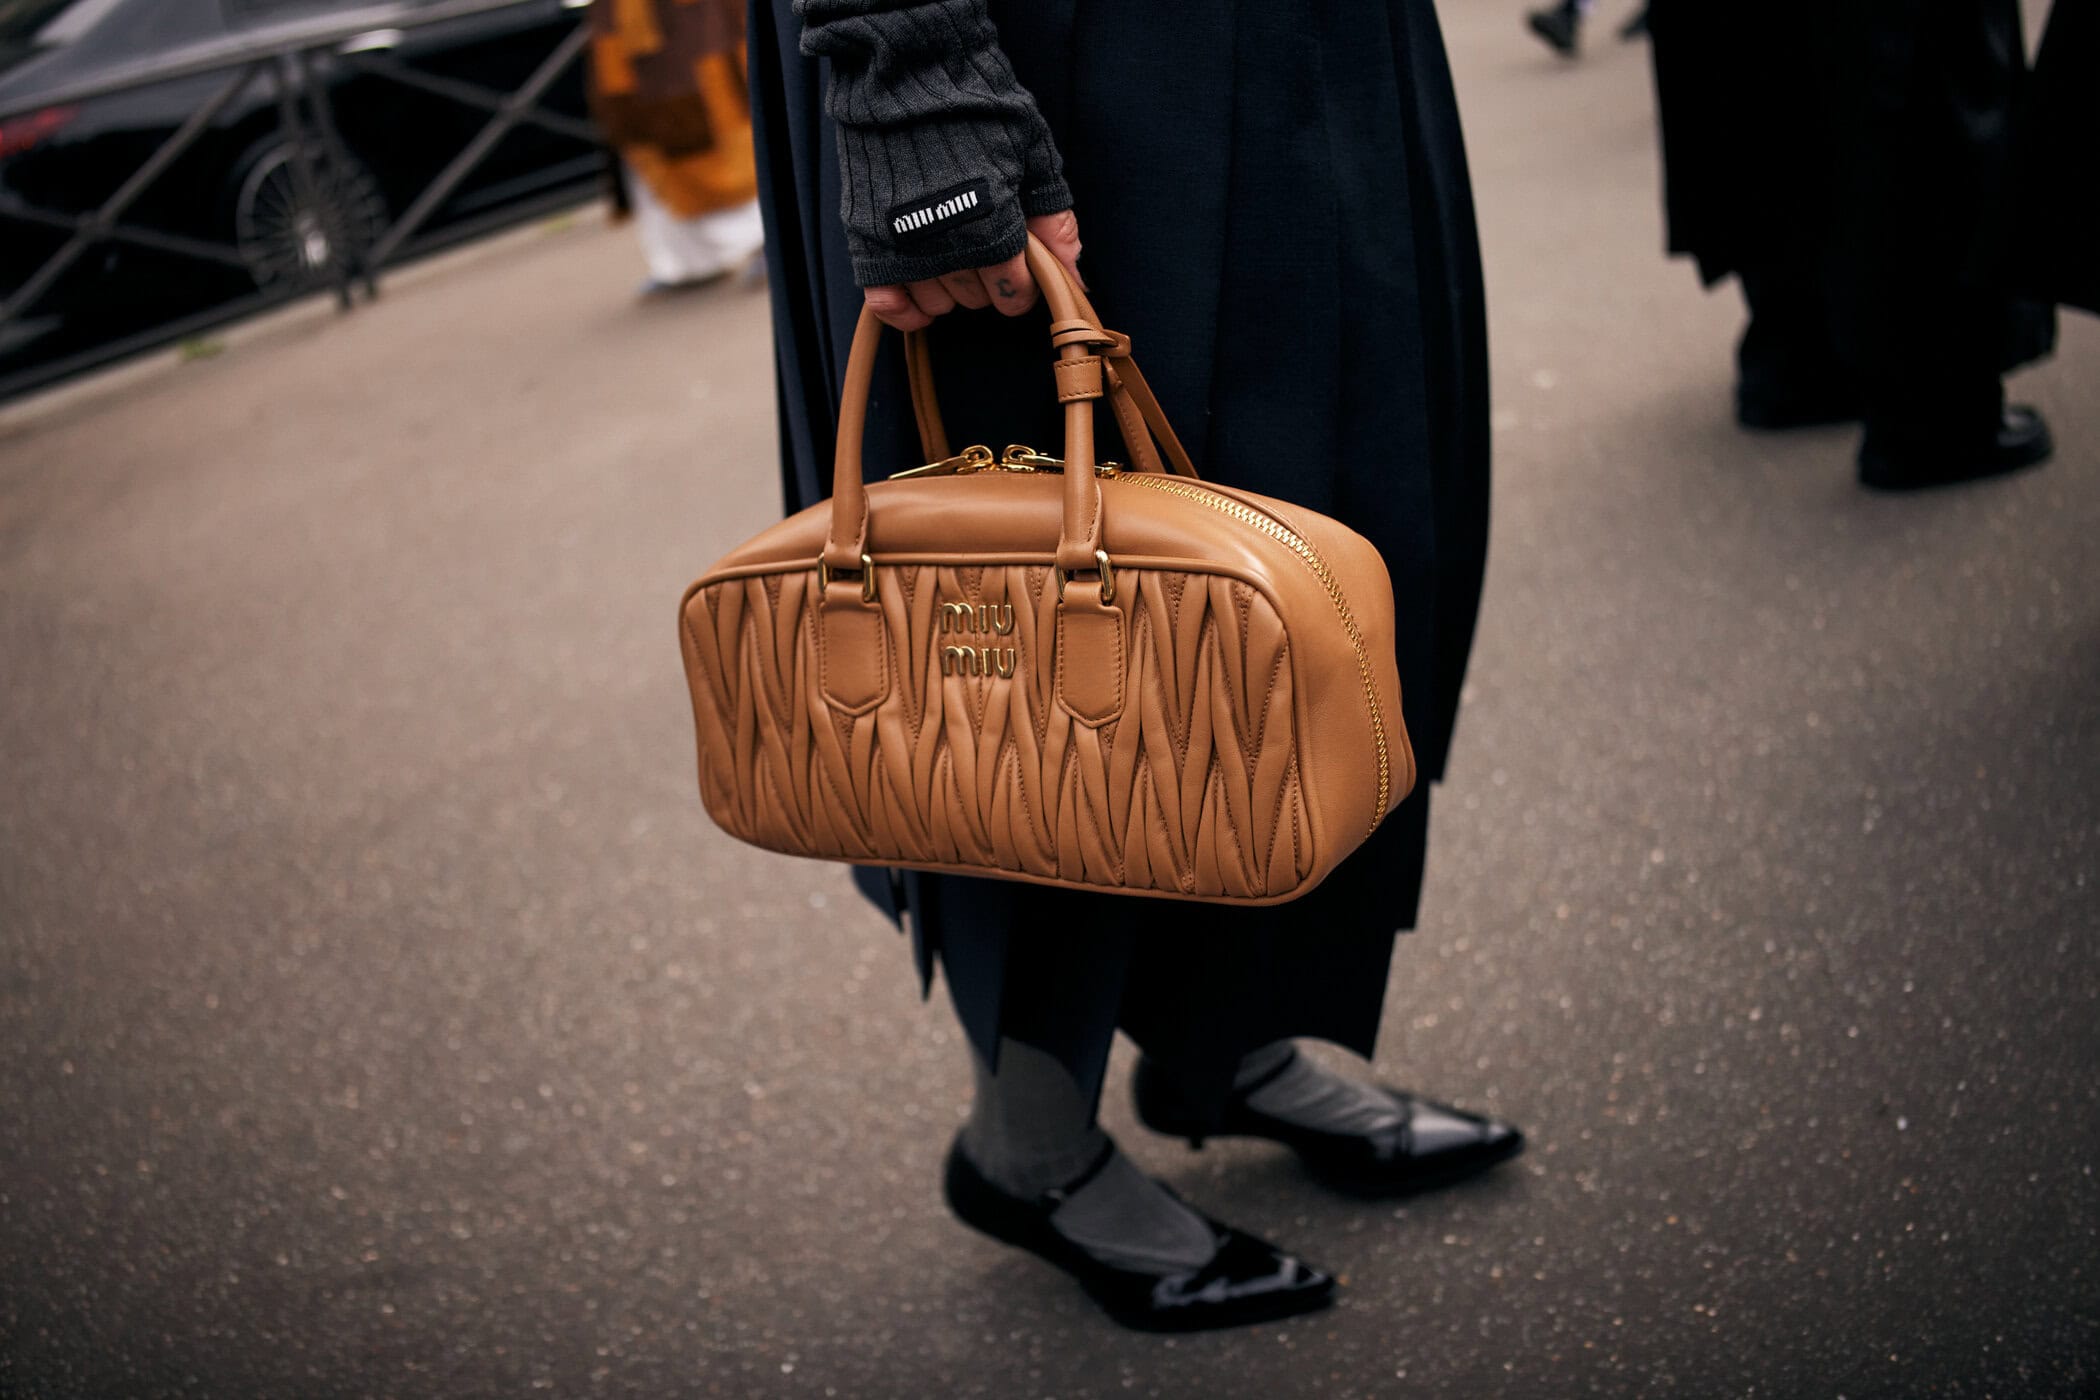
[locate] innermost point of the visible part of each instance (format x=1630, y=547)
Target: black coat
x=1868, y=143
x=1274, y=203
x=2057, y=251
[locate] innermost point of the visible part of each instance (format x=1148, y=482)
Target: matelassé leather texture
x=1215, y=717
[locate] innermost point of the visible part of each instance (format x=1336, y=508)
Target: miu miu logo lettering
x=947, y=208
x=940, y=211
x=995, y=620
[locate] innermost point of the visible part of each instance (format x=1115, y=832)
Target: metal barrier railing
x=306, y=122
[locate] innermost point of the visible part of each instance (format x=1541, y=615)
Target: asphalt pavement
x=381, y=1016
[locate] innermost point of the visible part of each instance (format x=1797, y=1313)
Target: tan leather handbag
x=1102, y=677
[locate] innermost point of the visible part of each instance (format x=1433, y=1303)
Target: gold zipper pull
x=975, y=458
x=1019, y=457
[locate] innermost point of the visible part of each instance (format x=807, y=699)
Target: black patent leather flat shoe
x=1432, y=1145
x=1895, y=459
x=1246, y=1281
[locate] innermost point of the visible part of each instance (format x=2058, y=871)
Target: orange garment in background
x=668, y=89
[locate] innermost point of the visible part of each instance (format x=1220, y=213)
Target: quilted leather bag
x=1105, y=677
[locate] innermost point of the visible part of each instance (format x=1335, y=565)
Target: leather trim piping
x=1055, y=881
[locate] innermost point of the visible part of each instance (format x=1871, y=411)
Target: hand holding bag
x=1109, y=678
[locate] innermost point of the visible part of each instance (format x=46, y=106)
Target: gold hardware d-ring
x=1108, y=578
x=867, y=578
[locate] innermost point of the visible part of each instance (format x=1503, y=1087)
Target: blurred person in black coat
x=2057, y=250
x=1852, y=164
x=1276, y=209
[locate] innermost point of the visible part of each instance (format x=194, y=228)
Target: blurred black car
x=236, y=186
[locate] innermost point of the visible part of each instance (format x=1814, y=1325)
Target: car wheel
x=289, y=241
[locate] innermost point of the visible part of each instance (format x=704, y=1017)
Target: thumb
x=1060, y=234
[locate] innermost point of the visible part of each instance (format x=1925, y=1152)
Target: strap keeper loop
x=1063, y=333
x=1078, y=378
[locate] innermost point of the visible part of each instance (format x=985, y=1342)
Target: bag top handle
x=1077, y=333
x=1142, y=422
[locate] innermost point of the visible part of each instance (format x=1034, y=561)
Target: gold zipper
x=1298, y=545
x=964, y=463
x=1018, y=457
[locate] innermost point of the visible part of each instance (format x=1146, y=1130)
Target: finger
x=1012, y=289
x=894, y=307
x=931, y=297
x=968, y=290
x=1060, y=234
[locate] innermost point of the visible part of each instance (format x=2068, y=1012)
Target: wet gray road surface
x=381, y=1016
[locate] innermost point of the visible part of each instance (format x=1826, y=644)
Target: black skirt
x=1274, y=203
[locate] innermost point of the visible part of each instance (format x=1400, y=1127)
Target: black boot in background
x=1560, y=26
x=1911, y=457
x=1789, y=370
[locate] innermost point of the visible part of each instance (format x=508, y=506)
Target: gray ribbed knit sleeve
x=942, y=153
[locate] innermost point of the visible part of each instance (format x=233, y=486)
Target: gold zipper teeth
x=1296, y=543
